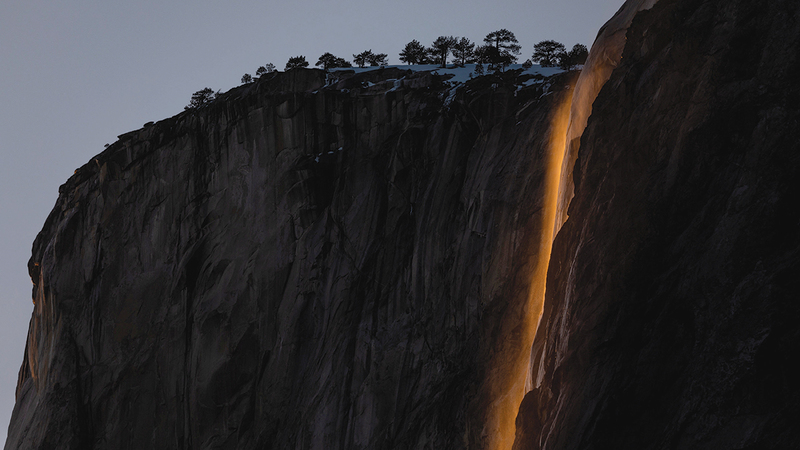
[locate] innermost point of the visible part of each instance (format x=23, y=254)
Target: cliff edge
x=671, y=316
x=308, y=262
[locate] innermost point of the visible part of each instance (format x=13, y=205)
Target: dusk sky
x=75, y=74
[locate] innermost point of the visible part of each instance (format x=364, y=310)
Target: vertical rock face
x=671, y=312
x=604, y=57
x=311, y=263
x=298, y=265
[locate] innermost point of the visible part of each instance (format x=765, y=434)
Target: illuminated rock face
x=295, y=266
x=671, y=311
x=604, y=57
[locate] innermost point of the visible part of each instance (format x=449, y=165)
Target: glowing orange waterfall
x=507, y=405
x=569, y=120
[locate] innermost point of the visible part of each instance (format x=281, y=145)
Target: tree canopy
x=574, y=57
x=548, y=53
x=414, y=53
x=379, y=59
x=269, y=68
x=362, y=59
x=463, y=51
x=296, y=62
x=201, y=98
x=488, y=54
x=367, y=57
x=500, y=49
x=506, y=48
x=329, y=61
x=441, y=48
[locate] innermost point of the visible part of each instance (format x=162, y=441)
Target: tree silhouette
x=496, y=60
x=296, y=62
x=368, y=58
x=201, y=98
x=363, y=58
x=548, y=53
x=247, y=78
x=463, y=51
x=441, y=48
x=414, y=53
x=269, y=68
x=329, y=61
x=506, y=48
x=481, y=54
x=574, y=57
x=378, y=59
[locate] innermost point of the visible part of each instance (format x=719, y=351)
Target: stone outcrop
x=344, y=262
x=671, y=311
x=308, y=262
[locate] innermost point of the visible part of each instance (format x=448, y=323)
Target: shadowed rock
x=670, y=317
x=292, y=266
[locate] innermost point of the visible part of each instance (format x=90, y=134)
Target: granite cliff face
x=671, y=311
x=299, y=265
x=348, y=263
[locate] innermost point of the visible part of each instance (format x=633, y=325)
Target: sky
x=75, y=74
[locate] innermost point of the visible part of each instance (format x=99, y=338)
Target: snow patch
x=460, y=74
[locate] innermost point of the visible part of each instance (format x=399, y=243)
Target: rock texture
x=307, y=263
x=346, y=263
x=671, y=312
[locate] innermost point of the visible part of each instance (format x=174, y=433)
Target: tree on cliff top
x=488, y=54
x=201, y=98
x=441, y=48
x=296, y=62
x=463, y=51
x=414, y=53
x=574, y=57
x=362, y=59
x=379, y=59
x=373, y=59
x=269, y=68
x=548, y=53
x=329, y=61
x=506, y=48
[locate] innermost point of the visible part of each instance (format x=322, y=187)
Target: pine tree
x=296, y=62
x=201, y=98
x=329, y=61
x=247, y=78
x=574, y=57
x=378, y=59
x=363, y=58
x=442, y=47
x=413, y=53
x=463, y=51
x=269, y=68
x=506, y=48
x=548, y=53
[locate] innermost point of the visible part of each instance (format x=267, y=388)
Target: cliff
x=358, y=261
x=298, y=265
x=671, y=314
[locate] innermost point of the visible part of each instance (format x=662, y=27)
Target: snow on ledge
x=460, y=74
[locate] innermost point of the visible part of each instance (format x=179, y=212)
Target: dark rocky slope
x=671, y=312
x=294, y=266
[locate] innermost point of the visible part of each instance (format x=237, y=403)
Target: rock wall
x=307, y=263
x=671, y=311
x=318, y=263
